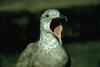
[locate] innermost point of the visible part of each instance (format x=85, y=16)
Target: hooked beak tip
x=63, y=18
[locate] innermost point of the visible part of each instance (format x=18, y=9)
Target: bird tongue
x=57, y=31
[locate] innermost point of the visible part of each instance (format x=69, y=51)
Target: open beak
x=56, y=25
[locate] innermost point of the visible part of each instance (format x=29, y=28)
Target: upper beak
x=63, y=19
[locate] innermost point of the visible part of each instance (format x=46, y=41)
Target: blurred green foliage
x=23, y=21
x=37, y=5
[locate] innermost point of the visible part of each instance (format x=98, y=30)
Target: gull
x=48, y=51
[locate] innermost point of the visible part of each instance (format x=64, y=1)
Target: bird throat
x=49, y=40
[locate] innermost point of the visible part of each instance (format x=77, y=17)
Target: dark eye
x=47, y=15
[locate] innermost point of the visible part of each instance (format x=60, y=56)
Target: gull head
x=52, y=22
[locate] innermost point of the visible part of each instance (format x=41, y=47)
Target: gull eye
x=47, y=15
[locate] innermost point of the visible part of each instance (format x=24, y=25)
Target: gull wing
x=26, y=55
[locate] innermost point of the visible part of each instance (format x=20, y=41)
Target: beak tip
x=64, y=18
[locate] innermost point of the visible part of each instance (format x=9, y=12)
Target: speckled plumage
x=48, y=50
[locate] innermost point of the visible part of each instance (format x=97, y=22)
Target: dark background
x=81, y=34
